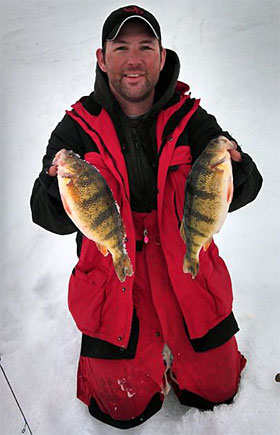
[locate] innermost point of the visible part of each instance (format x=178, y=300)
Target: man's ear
x=101, y=60
x=163, y=57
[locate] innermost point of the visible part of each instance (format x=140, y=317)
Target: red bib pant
x=126, y=392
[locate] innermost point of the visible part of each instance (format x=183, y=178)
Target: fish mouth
x=61, y=157
x=64, y=161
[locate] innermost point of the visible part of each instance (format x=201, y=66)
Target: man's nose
x=134, y=58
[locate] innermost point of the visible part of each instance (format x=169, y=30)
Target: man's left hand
x=234, y=154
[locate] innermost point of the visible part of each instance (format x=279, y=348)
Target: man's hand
x=234, y=154
x=52, y=171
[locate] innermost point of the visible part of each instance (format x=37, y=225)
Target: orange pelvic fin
x=207, y=244
x=102, y=249
x=65, y=205
x=182, y=232
x=230, y=191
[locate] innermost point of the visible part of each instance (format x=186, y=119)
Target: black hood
x=164, y=91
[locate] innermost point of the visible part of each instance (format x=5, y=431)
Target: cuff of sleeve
x=241, y=170
x=50, y=184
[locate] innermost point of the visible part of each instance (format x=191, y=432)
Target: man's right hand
x=52, y=171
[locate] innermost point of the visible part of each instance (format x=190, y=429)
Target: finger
x=235, y=155
x=52, y=171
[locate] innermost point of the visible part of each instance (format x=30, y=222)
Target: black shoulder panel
x=175, y=119
x=91, y=105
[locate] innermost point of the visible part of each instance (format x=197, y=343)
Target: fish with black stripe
x=89, y=202
x=208, y=194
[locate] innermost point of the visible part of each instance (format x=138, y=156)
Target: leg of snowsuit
x=126, y=392
x=203, y=379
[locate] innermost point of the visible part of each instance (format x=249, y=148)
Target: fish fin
x=65, y=205
x=182, y=232
x=218, y=163
x=66, y=175
x=230, y=191
x=123, y=267
x=190, y=266
x=207, y=244
x=102, y=249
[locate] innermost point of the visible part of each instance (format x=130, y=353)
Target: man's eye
x=121, y=48
x=146, y=47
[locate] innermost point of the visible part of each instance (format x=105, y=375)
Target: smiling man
x=133, y=61
x=160, y=328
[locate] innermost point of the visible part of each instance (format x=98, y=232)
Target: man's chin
x=135, y=97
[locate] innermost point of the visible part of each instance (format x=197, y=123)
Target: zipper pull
x=146, y=238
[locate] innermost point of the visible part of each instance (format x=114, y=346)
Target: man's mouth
x=133, y=75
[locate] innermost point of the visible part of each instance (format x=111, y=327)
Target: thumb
x=52, y=170
x=235, y=155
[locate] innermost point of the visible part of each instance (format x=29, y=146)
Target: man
x=159, y=328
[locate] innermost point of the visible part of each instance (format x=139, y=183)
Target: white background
x=229, y=51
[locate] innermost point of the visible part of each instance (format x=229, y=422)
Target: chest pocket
x=97, y=161
x=179, y=168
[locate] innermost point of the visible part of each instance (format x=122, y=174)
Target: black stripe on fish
x=199, y=167
x=203, y=194
x=103, y=216
x=111, y=234
x=191, y=243
x=202, y=217
x=195, y=231
x=116, y=246
x=85, y=203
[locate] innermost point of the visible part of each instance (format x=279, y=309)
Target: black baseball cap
x=116, y=20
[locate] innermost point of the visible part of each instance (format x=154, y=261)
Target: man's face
x=132, y=62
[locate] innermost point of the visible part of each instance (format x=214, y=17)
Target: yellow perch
x=89, y=202
x=208, y=194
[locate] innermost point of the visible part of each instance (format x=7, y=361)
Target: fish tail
x=191, y=266
x=123, y=267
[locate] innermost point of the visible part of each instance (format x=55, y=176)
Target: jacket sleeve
x=46, y=205
x=247, y=180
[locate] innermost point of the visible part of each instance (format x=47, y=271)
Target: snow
x=229, y=51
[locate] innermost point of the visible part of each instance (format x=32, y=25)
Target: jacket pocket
x=95, y=159
x=86, y=298
x=179, y=168
x=217, y=280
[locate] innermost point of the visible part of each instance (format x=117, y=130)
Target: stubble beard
x=134, y=95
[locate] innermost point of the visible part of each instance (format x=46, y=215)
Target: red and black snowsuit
x=122, y=374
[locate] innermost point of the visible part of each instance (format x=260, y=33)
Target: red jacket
x=101, y=305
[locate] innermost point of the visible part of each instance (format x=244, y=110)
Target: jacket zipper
x=139, y=166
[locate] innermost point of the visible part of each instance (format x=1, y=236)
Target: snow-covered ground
x=229, y=51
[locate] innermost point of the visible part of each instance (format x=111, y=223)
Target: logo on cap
x=134, y=9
